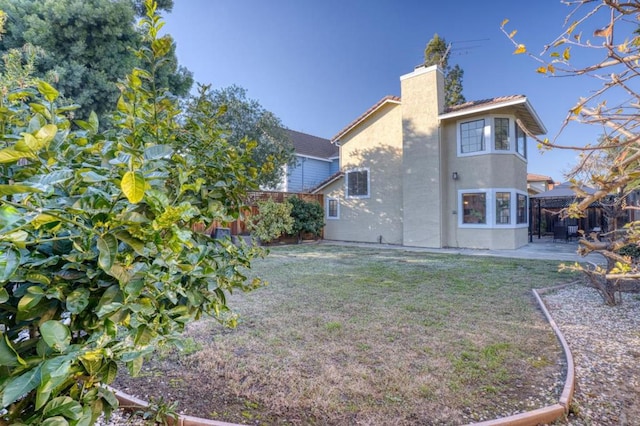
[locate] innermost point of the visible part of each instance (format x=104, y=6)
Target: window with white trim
x=472, y=136
x=503, y=208
x=521, y=141
x=491, y=134
x=474, y=207
x=522, y=209
x=333, y=208
x=492, y=208
x=357, y=182
x=501, y=133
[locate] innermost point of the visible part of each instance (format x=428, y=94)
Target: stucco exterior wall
x=375, y=145
x=479, y=172
x=422, y=93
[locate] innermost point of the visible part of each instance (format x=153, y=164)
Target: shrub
x=272, y=221
x=307, y=216
x=98, y=263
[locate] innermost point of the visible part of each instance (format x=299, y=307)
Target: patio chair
x=559, y=233
x=572, y=232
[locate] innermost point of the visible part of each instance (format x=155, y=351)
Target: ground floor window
x=509, y=208
x=333, y=208
x=474, y=207
x=522, y=208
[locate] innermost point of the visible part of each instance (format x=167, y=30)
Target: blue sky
x=320, y=64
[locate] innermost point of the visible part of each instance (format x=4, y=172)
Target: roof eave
x=363, y=118
x=484, y=108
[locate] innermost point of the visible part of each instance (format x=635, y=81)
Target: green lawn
x=342, y=335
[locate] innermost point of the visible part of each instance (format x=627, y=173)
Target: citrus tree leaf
x=56, y=335
x=9, y=262
x=8, y=355
x=17, y=189
x=47, y=91
x=107, y=249
x=132, y=186
x=63, y=406
x=78, y=300
x=157, y=152
x=16, y=387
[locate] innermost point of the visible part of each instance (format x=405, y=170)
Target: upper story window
x=472, y=136
x=501, y=133
x=357, y=183
x=521, y=141
x=492, y=134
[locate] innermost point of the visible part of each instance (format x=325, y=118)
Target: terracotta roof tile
x=483, y=103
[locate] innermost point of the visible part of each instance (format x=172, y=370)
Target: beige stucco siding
x=375, y=145
x=479, y=172
x=422, y=101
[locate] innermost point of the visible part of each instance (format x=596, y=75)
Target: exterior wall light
x=454, y=175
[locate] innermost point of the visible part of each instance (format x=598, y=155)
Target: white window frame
x=337, y=216
x=489, y=136
x=490, y=199
x=346, y=182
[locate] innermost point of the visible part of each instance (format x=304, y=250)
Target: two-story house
x=416, y=173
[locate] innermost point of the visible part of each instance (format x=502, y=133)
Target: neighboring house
x=316, y=160
x=538, y=183
x=416, y=173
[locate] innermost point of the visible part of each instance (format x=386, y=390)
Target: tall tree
x=610, y=103
x=243, y=118
x=88, y=45
x=437, y=53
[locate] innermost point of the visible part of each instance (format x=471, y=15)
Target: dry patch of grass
x=345, y=335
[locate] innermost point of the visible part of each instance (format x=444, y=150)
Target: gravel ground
x=605, y=342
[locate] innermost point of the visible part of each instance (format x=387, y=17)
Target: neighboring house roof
x=526, y=113
x=532, y=177
x=386, y=100
x=334, y=177
x=564, y=190
x=312, y=146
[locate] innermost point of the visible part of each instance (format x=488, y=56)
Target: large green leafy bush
x=308, y=217
x=98, y=260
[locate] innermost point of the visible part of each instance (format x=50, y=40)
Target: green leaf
x=91, y=177
x=34, y=277
x=56, y=335
x=55, y=372
x=9, y=262
x=108, y=249
x=63, y=406
x=47, y=91
x=17, y=189
x=78, y=300
x=4, y=295
x=132, y=186
x=16, y=387
x=134, y=243
x=10, y=155
x=55, y=421
x=8, y=355
x=157, y=152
